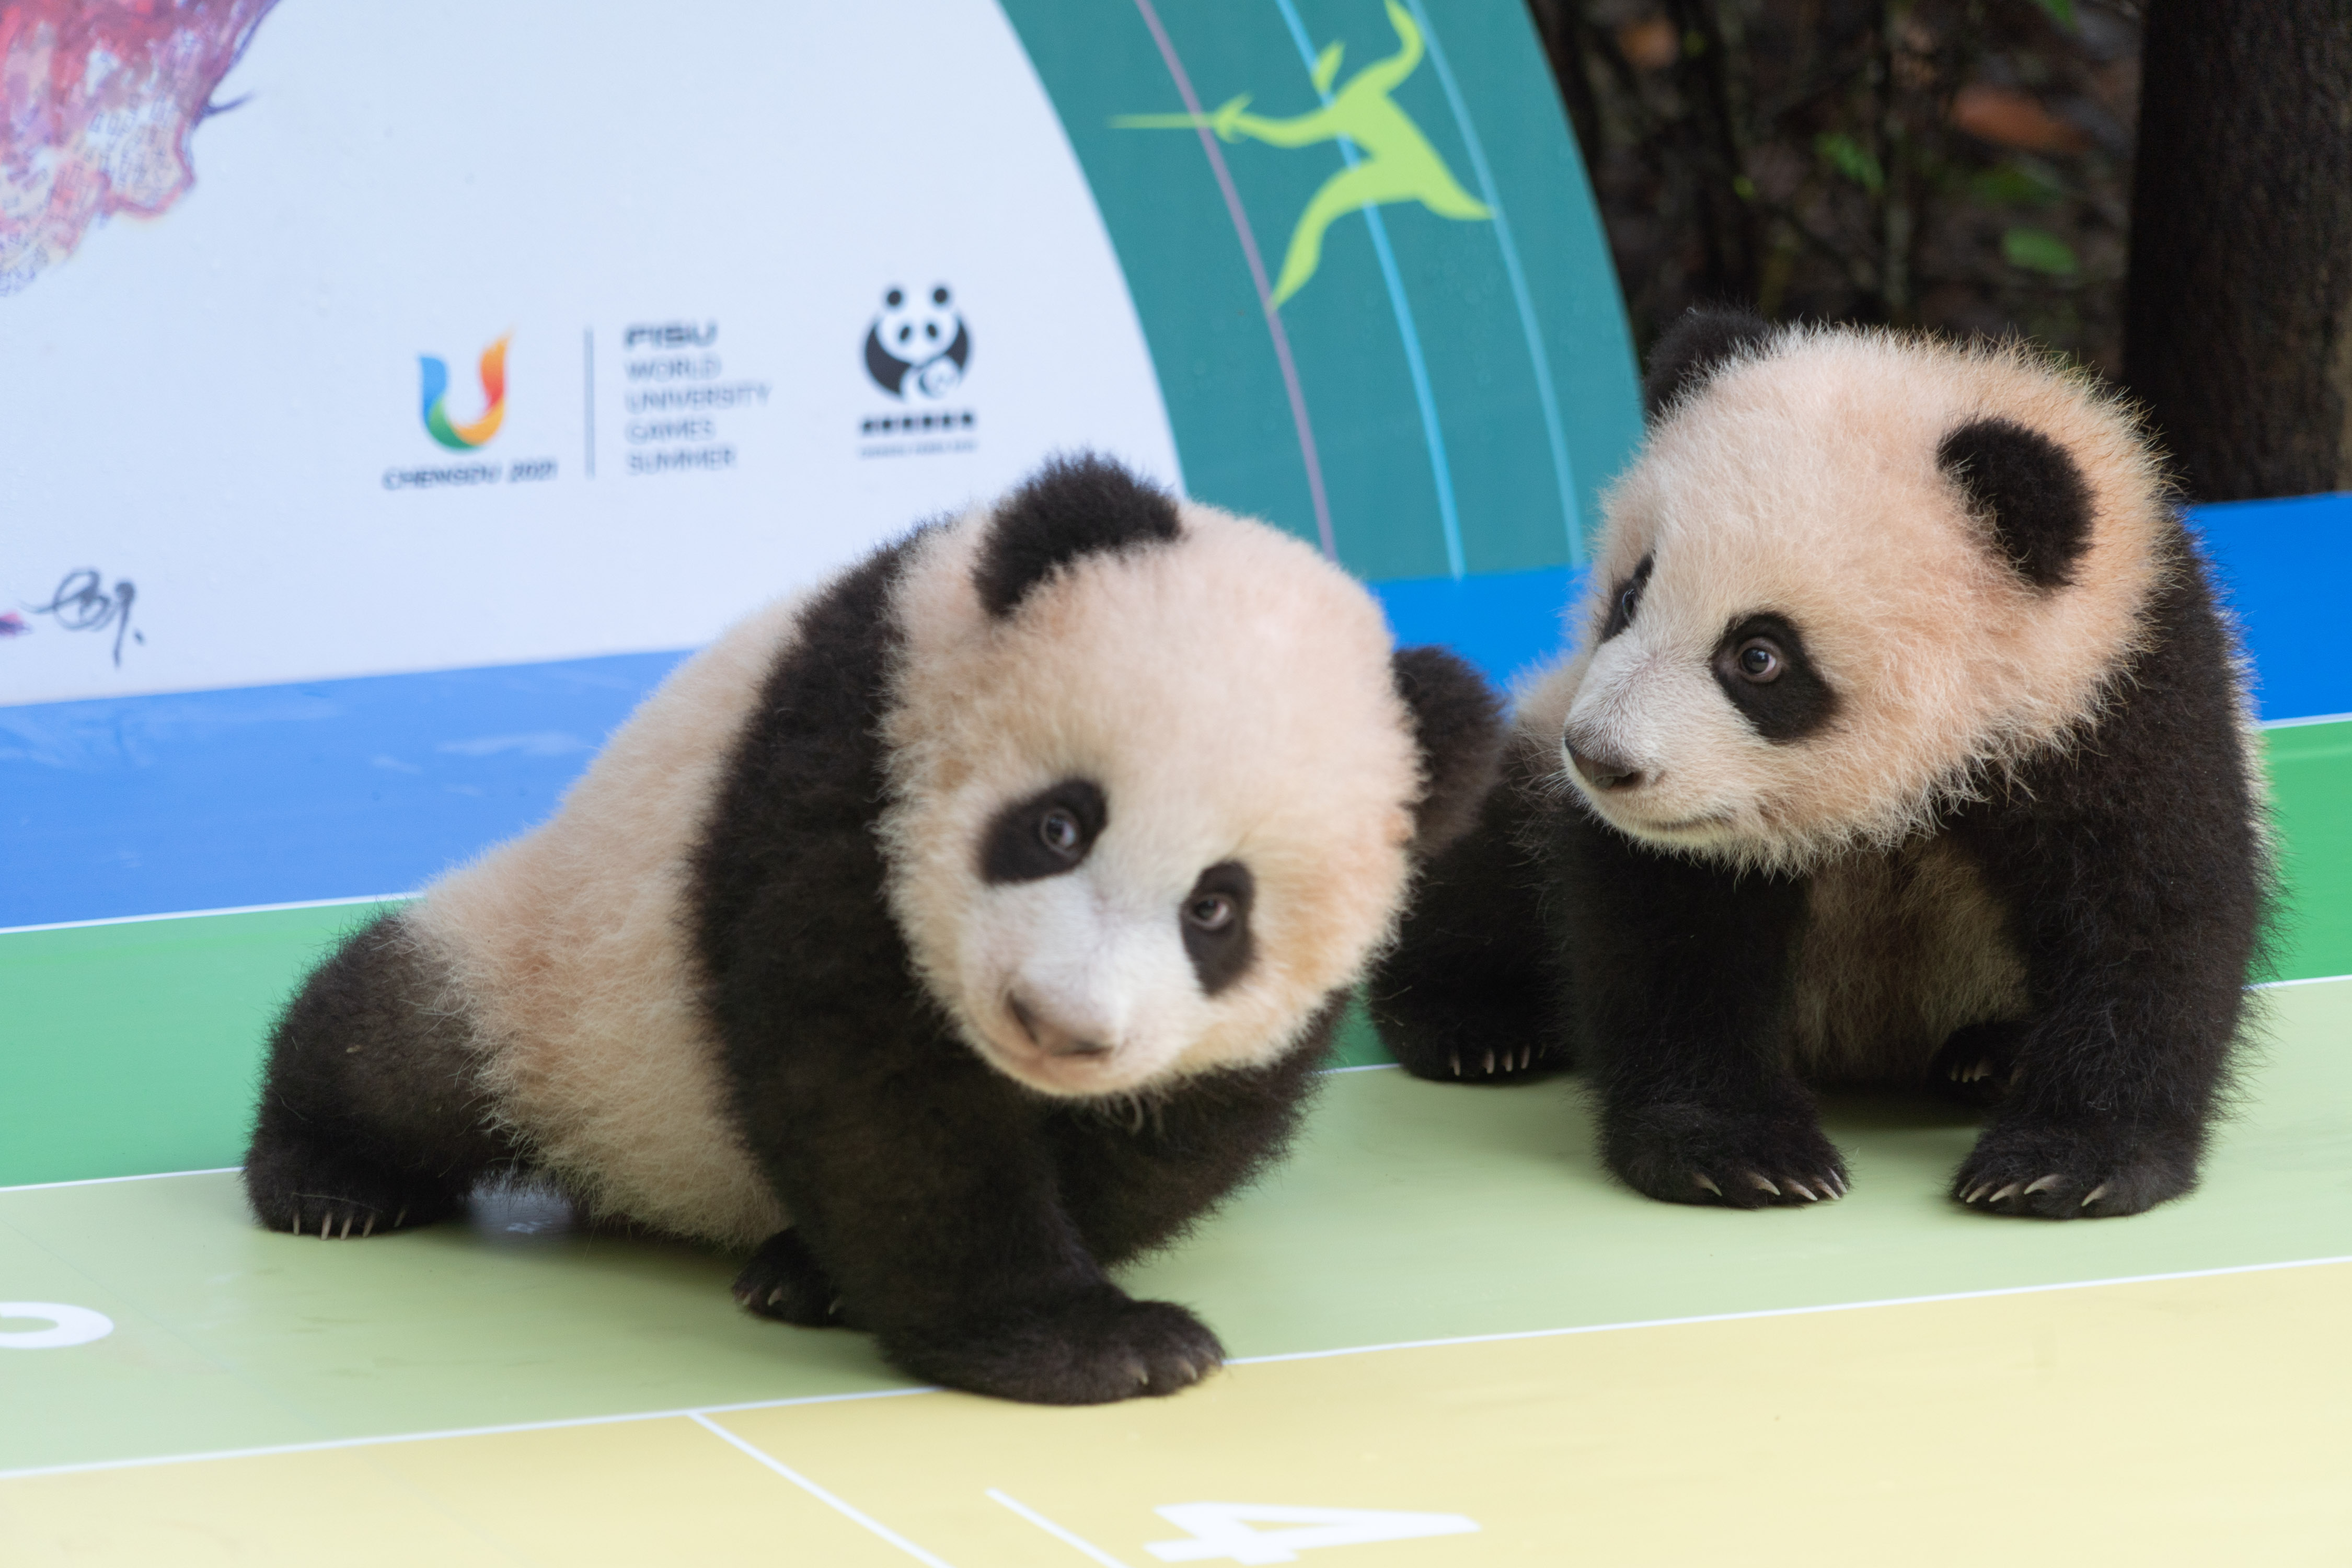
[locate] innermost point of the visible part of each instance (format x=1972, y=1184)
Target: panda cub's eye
x=1048, y=834
x=1628, y=600
x=1758, y=660
x=1212, y=912
x=1216, y=925
x=1059, y=831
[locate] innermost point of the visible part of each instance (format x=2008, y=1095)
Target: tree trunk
x=2238, y=315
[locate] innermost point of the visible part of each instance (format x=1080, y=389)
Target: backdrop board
x=393, y=392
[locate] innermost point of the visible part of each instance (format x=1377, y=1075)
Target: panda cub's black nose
x=1601, y=768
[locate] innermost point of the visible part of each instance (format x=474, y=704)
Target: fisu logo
x=475, y=433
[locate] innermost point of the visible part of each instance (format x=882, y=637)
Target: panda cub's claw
x=1689, y=1153
x=784, y=1281
x=1977, y=1064
x=310, y=1190
x=2047, y=1172
x=1490, y=1064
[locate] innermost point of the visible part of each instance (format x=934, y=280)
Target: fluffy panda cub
x=1905, y=745
x=947, y=935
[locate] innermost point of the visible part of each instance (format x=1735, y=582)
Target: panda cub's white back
x=1149, y=673
x=950, y=932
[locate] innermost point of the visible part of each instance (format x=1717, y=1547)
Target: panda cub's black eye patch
x=1216, y=920
x=1628, y=599
x=1762, y=666
x=1046, y=835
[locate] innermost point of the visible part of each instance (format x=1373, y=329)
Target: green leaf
x=1852, y=159
x=2010, y=186
x=2039, y=250
x=2060, y=11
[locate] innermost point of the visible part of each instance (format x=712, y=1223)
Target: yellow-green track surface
x=1457, y=1342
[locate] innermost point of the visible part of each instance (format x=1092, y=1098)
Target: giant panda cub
x=1906, y=746
x=946, y=935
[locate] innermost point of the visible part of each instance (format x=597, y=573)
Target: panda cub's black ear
x=2029, y=489
x=1701, y=338
x=1457, y=722
x=1074, y=506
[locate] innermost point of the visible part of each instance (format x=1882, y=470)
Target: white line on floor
x=823, y=1496
x=1794, y=1311
x=102, y=1181
x=509, y=1429
x=1067, y=1538
x=200, y=914
x=698, y=1412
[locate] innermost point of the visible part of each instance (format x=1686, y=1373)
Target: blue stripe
x=1506, y=623
x=1563, y=470
x=1440, y=470
x=2285, y=570
x=270, y=795
x=341, y=788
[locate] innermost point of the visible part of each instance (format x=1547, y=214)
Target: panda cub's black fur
x=1909, y=746
x=952, y=935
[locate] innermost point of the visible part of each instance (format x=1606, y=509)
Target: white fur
x=1232, y=696
x=575, y=944
x=1802, y=479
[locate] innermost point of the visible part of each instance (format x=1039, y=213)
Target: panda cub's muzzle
x=1600, y=765
x=1051, y=1036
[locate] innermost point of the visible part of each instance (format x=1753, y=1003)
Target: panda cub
x=947, y=935
x=1906, y=746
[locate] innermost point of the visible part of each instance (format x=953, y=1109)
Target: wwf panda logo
x=918, y=343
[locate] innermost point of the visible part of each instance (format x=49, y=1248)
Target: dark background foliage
x=1957, y=164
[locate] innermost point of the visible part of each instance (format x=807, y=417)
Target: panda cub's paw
x=1513, y=1061
x=313, y=1192
x=1090, y=1348
x=2061, y=1173
x=1977, y=1064
x=1688, y=1153
x=784, y=1280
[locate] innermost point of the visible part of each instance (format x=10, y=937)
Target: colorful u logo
x=466, y=437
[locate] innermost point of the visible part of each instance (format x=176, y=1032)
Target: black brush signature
x=81, y=603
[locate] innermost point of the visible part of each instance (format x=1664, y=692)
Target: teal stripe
x=1448, y=520
x=1562, y=469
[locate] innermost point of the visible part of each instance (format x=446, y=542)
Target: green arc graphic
x=1476, y=436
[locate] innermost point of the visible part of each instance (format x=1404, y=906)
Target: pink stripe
x=1257, y=276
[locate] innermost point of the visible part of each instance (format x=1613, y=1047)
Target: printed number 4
x=1221, y=1531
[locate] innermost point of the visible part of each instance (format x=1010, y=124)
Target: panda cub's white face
x=1801, y=639
x=1142, y=826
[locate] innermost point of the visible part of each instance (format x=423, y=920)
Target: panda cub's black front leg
x=1464, y=995
x=929, y=1205
x=1679, y=979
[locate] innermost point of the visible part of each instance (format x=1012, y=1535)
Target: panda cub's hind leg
x=1976, y=1063
x=372, y=1114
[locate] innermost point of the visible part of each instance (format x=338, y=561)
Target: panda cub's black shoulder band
x=1076, y=507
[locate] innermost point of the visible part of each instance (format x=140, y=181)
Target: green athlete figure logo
x=1397, y=165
